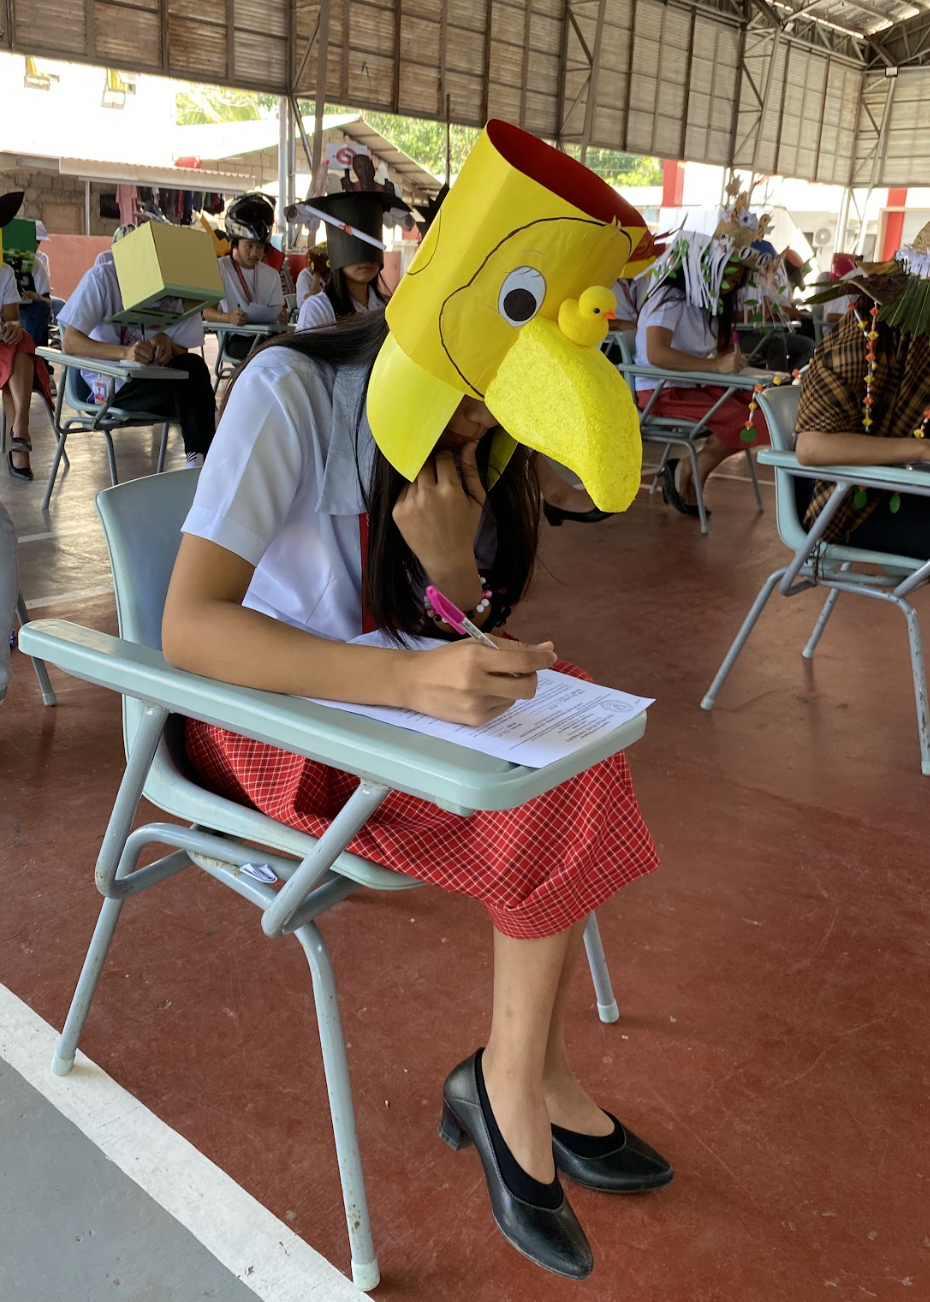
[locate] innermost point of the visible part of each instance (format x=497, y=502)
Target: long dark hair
x=722, y=321
x=393, y=581
x=338, y=293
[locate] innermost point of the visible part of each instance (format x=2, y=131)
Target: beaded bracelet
x=482, y=606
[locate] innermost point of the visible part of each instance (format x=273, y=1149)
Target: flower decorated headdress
x=900, y=287
x=711, y=263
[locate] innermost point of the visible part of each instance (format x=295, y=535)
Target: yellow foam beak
x=567, y=402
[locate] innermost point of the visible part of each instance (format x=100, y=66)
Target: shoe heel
x=450, y=1132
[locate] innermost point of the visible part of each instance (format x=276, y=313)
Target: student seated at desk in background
x=764, y=300
x=845, y=421
x=686, y=324
x=315, y=276
x=253, y=290
x=20, y=370
x=87, y=334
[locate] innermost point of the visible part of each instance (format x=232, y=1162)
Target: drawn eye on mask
x=521, y=295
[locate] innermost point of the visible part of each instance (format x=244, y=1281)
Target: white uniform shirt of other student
x=97, y=297
x=281, y=488
x=691, y=328
x=262, y=285
x=317, y=310
x=8, y=290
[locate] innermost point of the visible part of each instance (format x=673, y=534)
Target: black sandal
x=18, y=472
x=671, y=495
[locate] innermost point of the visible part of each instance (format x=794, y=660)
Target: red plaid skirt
x=727, y=424
x=537, y=869
x=8, y=355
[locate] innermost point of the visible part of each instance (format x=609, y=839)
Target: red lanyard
x=368, y=624
x=245, y=288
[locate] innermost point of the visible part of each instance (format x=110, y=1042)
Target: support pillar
x=894, y=222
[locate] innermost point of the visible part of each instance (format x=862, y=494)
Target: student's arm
x=208, y=631
x=235, y=317
x=660, y=353
x=822, y=448
x=10, y=330
x=79, y=344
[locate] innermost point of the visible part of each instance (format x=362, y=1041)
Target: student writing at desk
x=253, y=289
x=87, y=333
x=351, y=474
x=686, y=324
x=866, y=402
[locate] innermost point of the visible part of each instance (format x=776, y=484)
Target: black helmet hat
x=250, y=217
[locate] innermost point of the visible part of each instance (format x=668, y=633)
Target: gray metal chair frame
x=102, y=418
x=45, y=686
x=829, y=565
x=671, y=432
x=141, y=521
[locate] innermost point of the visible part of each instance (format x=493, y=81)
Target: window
x=35, y=78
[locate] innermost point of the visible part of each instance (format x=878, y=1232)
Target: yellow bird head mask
x=505, y=302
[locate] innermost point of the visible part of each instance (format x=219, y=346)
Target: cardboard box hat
x=159, y=261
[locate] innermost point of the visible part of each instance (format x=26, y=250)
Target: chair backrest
x=77, y=394
x=780, y=407
x=142, y=523
x=617, y=347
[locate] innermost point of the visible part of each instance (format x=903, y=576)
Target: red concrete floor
x=772, y=973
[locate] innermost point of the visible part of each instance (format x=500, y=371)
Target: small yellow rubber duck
x=584, y=320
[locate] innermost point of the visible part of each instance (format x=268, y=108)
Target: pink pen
x=448, y=611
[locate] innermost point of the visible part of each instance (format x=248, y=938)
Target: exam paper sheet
x=565, y=715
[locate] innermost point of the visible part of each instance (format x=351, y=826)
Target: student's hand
x=143, y=350
x=730, y=363
x=236, y=316
x=468, y=683
x=11, y=332
x=164, y=349
x=438, y=514
x=282, y=316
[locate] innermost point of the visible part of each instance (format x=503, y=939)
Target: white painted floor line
x=37, y=537
x=68, y=598
x=244, y=1236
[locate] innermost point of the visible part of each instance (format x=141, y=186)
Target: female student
x=20, y=369
x=356, y=466
x=315, y=275
x=686, y=324
x=355, y=263
x=864, y=402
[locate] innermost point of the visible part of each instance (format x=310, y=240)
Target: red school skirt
x=727, y=424
x=8, y=354
x=536, y=869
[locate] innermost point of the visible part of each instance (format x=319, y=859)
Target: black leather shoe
x=630, y=1166
x=18, y=472
x=672, y=497
x=556, y=516
x=551, y=1238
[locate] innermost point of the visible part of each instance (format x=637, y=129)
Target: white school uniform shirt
x=304, y=285
x=9, y=293
x=282, y=489
x=691, y=329
x=262, y=286
x=97, y=297
x=40, y=277
x=317, y=310
x=625, y=295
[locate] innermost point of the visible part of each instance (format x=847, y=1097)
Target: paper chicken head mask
x=507, y=301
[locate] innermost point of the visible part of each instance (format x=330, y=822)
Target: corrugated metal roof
x=668, y=77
